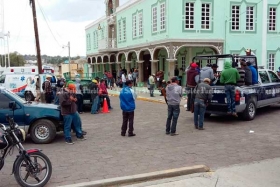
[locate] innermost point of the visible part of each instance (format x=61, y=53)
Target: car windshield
x=15, y=96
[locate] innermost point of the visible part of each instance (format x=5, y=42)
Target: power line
x=48, y=24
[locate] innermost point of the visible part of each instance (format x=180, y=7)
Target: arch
x=120, y=56
x=99, y=59
x=157, y=50
x=214, y=48
x=94, y=60
x=105, y=58
x=129, y=55
x=112, y=58
x=89, y=61
x=141, y=53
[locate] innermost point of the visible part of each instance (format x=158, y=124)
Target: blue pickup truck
x=41, y=121
x=248, y=98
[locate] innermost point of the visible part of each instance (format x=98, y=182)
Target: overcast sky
x=66, y=18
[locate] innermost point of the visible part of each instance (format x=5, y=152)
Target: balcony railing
x=108, y=44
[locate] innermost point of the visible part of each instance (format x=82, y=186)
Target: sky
x=60, y=22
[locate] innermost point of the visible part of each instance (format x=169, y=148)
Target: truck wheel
x=250, y=110
x=29, y=96
x=43, y=131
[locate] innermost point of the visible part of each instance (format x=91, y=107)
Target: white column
x=264, y=34
x=171, y=67
x=140, y=71
x=154, y=66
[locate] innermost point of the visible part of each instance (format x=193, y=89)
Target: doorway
x=146, y=67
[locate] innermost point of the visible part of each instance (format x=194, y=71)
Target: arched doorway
x=132, y=58
x=99, y=69
x=145, y=56
x=113, y=65
x=106, y=63
x=121, y=60
x=160, y=55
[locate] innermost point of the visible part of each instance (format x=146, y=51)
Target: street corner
x=134, y=179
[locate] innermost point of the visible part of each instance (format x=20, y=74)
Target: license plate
x=86, y=101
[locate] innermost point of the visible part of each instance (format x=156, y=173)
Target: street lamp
x=68, y=45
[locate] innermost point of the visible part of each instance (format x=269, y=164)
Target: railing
x=108, y=43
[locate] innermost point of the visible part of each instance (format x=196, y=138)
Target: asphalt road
x=106, y=154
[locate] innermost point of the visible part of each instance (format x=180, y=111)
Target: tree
x=16, y=59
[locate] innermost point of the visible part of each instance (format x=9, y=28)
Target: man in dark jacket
x=70, y=115
x=191, y=74
x=94, y=96
x=127, y=103
x=248, y=73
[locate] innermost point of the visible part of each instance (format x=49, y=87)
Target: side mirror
x=12, y=105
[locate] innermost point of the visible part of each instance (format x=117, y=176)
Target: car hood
x=42, y=105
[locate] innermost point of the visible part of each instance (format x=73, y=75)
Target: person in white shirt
x=123, y=79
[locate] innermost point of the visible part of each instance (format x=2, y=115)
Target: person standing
x=94, y=96
x=181, y=71
x=205, y=72
x=123, y=79
x=135, y=77
x=173, y=96
x=70, y=115
x=79, y=95
x=203, y=97
x=254, y=73
x=38, y=92
x=247, y=74
x=191, y=84
x=47, y=87
x=152, y=85
x=104, y=93
x=229, y=77
x=127, y=104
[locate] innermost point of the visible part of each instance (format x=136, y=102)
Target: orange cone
x=105, y=106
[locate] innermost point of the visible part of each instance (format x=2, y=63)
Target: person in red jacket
x=105, y=93
x=191, y=84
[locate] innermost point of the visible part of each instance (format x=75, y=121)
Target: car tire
x=207, y=115
x=250, y=110
x=43, y=131
x=29, y=96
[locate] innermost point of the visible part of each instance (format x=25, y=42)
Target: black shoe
x=110, y=108
x=69, y=141
x=196, y=127
x=167, y=133
x=201, y=128
x=123, y=134
x=81, y=138
x=174, y=134
x=130, y=135
x=84, y=132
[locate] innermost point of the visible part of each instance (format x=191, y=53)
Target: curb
x=143, y=177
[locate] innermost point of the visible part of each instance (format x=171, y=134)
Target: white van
x=22, y=81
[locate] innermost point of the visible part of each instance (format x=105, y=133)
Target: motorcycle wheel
x=24, y=172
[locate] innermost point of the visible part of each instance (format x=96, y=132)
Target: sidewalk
x=258, y=174
x=144, y=94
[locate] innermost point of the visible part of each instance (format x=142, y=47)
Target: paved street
x=106, y=154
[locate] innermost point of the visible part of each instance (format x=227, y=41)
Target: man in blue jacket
x=254, y=73
x=127, y=103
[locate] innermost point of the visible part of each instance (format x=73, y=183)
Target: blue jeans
x=230, y=93
x=56, y=100
x=80, y=102
x=173, y=112
x=94, y=107
x=123, y=84
x=152, y=88
x=68, y=121
x=199, y=110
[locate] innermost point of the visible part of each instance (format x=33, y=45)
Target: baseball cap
x=194, y=65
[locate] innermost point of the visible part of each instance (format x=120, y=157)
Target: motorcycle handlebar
x=11, y=122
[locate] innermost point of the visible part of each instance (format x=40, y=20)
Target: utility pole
x=69, y=58
x=39, y=61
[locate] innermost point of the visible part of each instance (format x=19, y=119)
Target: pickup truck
x=247, y=98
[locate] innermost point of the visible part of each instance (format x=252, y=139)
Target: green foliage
x=16, y=59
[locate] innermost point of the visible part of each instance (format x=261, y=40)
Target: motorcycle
x=29, y=164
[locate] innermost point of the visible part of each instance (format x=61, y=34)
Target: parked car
x=41, y=121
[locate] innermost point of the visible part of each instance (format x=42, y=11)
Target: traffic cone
x=105, y=106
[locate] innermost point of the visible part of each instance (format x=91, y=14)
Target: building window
x=124, y=30
x=162, y=16
x=189, y=15
x=235, y=10
x=120, y=31
x=140, y=17
x=272, y=19
x=134, y=30
x=205, y=15
x=250, y=18
x=96, y=39
x=154, y=21
x=271, y=61
x=183, y=59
